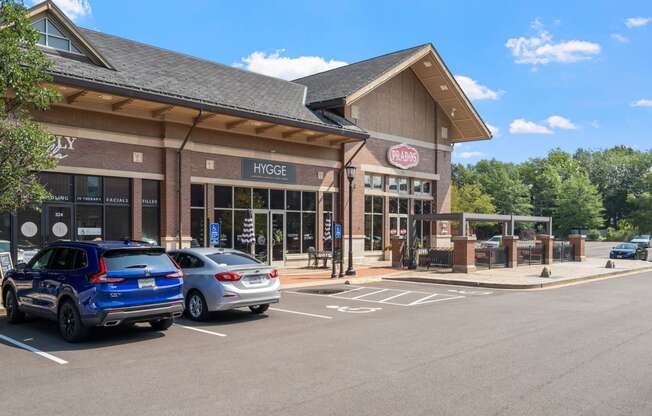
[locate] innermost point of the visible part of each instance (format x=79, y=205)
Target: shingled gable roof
x=144, y=71
x=338, y=83
x=346, y=84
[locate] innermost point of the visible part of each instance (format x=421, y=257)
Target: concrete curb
x=524, y=286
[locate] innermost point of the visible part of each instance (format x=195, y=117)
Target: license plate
x=255, y=279
x=146, y=283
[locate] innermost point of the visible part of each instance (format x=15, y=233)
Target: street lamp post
x=350, y=174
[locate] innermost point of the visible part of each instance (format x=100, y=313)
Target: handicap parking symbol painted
x=349, y=309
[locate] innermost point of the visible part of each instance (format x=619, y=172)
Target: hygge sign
x=403, y=156
x=268, y=171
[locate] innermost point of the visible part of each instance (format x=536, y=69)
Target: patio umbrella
x=248, y=236
x=327, y=229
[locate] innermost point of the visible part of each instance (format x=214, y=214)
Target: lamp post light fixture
x=350, y=174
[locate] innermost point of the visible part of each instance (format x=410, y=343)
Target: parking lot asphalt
x=385, y=348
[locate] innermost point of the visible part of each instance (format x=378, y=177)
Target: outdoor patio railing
x=491, y=257
x=562, y=251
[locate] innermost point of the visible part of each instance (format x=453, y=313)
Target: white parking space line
x=394, y=296
x=313, y=315
x=32, y=349
x=204, y=331
x=351, y=290
x=367, y=294
x=425, y=300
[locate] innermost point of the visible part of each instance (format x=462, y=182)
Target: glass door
x=58, y=223
x=261, y=230
x=278, y=238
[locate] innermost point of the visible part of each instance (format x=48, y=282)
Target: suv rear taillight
x=273, y=274
x=228, y=276
x=100, y=277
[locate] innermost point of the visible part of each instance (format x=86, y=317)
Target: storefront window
x=402, y=185
x=242, y=198
x=151, y=222
x=5, y=232
x=117, y=191
x=392, y=184
x=308, y=231
x=328, y=220
x=373, y=182
x=373, y=223
x=224, y=217
x=29, y=231
x=59, y=185
x=293, y=200
x=223, y=197
x=88, y=189
x=261, y=197
x=197, y=227
x=309, y=199
x=89, y=222
x=238, y=227
x=293, y=232
x=118, y=224
x=277, y=198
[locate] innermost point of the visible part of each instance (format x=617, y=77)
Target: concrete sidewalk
x=527, y=277
x=364, y=274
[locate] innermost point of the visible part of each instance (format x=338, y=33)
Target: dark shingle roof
x=341, y=82
x=154, y=71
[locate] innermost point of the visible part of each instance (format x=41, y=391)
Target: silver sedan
x=217, y=279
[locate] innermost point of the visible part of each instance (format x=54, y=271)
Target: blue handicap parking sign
x=214, y=233
x=338, y=231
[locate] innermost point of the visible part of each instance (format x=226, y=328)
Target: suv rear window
x=232, y=259
x=137, y=258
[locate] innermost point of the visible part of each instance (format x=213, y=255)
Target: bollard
x=546, y=272
x=610, y=264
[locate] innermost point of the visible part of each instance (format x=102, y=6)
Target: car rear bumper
x=227, y=302
x=141, y=313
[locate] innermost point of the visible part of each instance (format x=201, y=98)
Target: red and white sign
x=403, y=156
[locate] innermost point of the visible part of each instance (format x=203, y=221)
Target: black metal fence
x=436, y=257
x=491, y=257
x=562, y=251
x=529, y=254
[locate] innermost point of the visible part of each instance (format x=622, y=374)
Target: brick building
x=156, y=145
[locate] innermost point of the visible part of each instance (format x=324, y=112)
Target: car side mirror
x=21, y=267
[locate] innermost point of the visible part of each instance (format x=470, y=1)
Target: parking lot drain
x=323, y=291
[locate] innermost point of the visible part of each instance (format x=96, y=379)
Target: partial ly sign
x=403, y=156
x=61, y=146
x=268, y=171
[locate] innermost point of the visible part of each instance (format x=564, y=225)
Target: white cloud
x=541, y=49
x=637, y=21
x=619, y=38
x=470, y=155
x=276, y=65
x=643, y=102
x=74, y=9
x=522, y=126
x=559, y=122
x=495, y=131
x=475, y=91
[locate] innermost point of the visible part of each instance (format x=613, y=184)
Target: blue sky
x=550, y=74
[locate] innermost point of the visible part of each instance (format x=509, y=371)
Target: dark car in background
x=80, y=285
x=631, y=251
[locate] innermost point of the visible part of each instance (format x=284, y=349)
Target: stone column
x=546, y=247
x=579, y=246
x=464, y=254
x=511, y=245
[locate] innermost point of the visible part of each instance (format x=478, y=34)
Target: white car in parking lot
x=217, y=279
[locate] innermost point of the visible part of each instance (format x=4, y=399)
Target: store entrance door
x=277, y=238
x=58, y=223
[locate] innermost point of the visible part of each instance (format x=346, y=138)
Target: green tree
x=642, y=207
x=618, y=173
x=503, y=182
x=470, y=198
x=24, y=144
x=578, y=205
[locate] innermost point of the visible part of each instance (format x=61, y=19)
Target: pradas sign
x=403, y=156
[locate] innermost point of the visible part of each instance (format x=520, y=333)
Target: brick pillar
x=546, y=247
x=464, y=254
x=579, y=246
x=511, y=245
x=137, y=208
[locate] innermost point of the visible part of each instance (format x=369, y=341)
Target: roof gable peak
x=60, y=33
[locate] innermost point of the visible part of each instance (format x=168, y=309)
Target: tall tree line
x=590, y=189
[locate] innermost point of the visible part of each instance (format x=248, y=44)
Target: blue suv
x=97, y=283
